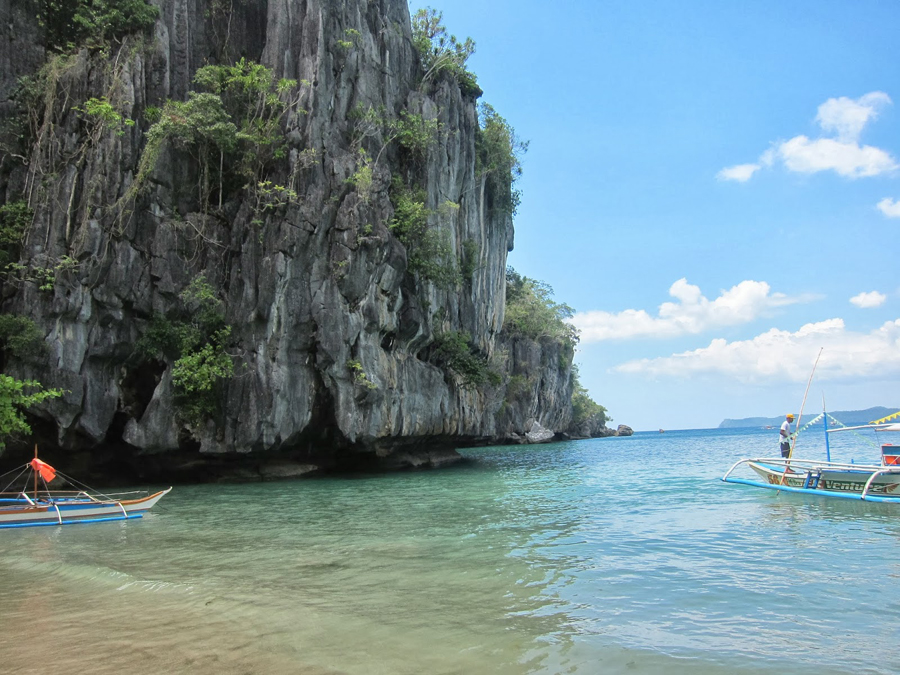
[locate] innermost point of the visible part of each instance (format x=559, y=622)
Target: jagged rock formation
x=308, y=288
x=592, y=427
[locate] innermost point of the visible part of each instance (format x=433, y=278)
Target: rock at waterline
x=539, y=434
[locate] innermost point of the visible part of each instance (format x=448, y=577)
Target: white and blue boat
x=36, y=504
x=866, y=482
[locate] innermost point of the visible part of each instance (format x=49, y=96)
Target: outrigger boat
x=33, y=506
x=866, y=482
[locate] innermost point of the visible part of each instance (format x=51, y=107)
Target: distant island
x=847, y=417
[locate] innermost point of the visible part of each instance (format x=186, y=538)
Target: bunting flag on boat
x=47, y=472
x=890, y=417
x=806, y=426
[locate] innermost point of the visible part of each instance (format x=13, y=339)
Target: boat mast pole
x=787, y=464
x=35, y=473
x=802, y=405
x=825, y=421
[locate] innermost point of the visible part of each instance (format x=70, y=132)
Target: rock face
x=308, y=288
x=624, y=430
x=593, y=427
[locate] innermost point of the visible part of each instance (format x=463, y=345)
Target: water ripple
x=615, y=555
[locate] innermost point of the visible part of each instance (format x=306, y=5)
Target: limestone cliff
x=333, y=335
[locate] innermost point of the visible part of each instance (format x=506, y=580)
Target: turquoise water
x=618, y=555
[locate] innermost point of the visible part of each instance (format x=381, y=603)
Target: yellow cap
x=790, y=416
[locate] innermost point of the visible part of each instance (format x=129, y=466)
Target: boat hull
x=849, y=481
x=74, y=510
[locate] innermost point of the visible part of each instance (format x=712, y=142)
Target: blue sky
x=714, y=187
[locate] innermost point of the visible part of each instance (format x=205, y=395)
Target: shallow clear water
x=614, y=555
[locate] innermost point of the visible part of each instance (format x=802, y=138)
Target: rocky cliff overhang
x=332, y=333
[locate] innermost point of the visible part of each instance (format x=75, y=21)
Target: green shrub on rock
x=19, y=336
x=455, y=352
x=233, y=129
x=194, y=338
x=428, y=249
x=15, y=219
x=69, y=24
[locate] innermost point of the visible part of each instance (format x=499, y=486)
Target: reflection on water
x=609, y=556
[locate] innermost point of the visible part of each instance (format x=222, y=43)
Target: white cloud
x=740, y=173
x=868, y=300
x=846, y=117
x=803, y=155
x=889, y=207
x=691, y=314
x=780, y=356
x=844, y=120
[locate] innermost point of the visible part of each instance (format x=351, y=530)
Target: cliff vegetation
x=251, y=240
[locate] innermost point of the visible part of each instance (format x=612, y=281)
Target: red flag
x=47, y=472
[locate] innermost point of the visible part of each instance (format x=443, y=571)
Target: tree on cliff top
x=498, y=158
x=532, y=312
x=441, y=52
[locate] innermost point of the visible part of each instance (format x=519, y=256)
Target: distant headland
x=848, y=417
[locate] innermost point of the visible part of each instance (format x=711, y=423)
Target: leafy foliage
x=583, y=406
x=363, y=176
x=36, y=100
x=199, y=125
x=414, y=133
x=195, y=340
x=45, y=277
x=14, y=399
x=200, y=122
x=197, y=373
x=367, y=122
x=429, y=253
x=498, y=158
x=70, y=24
x=410, y=214
x=359, y=374
x=104, y=116
x=469, y=259
x=352, y=40
x=250, y=91
x=271, y=197
x=454, y=351
x=15, y=219
x=19, y=335
x=532, y=312
x=232, y=129
x=441, y=52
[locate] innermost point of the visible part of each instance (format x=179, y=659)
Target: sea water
x=616, y=555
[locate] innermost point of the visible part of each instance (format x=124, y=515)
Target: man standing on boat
x=786, y=435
